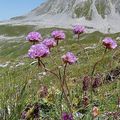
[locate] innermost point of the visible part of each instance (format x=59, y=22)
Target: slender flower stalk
x=93, y=70
x=61, y=82
x=95, y=65
x=68, y=58
x=47, y=70
x=39, y=63
x=118, y=103
x=64, y=79
x=78, y=30
x=109, y=44
x=64, y=83
x=63, y=91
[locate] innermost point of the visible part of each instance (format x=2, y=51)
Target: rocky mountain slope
x=96, y=15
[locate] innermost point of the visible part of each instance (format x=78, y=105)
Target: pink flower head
x=109, y=43
x=49, y=42
x=34, y=37
x=69, y=58
x=38, y=50
x=58, y=35
x=67, y=116
x=78, y=29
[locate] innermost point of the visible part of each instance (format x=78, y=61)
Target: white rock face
x=96, y=15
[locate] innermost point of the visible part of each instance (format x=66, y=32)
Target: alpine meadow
x=61, y=61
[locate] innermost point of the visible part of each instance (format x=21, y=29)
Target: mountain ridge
x=101, y=15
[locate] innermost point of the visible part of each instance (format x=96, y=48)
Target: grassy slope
x=12, y=79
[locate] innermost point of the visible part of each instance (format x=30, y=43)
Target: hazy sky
x=12, y=8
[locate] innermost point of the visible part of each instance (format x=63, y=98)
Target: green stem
x=65, y=83
x=39, y=63
x=78, y=36
x=59, y=77
x=95, y=65
x=64, y=79
x=93, y=70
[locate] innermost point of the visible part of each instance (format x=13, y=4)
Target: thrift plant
x=49, y=42
x=78, y=29
x=65, y=85
x=34, y=37
x=90, y=83
x=69, y=58
x=58, y=35
x=38, y=51
x=109, y=43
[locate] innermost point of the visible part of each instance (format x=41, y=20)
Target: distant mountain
x=96, y=15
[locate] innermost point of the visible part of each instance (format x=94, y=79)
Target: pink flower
x=34, y=37
x=67, y=116
x=109, y=43
x=49, y=42
x=69, y=58
x=78, y=29
x=58, y=35
x=38, y=50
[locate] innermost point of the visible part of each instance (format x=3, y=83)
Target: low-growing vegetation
x=53, y=88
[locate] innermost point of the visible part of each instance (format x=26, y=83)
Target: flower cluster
x=109, y=43
x=58, y=35
x=34, y=37
x=43, y=49
x=38, y=50
x=78, y=29
x=49, y=42
x=69, y=57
